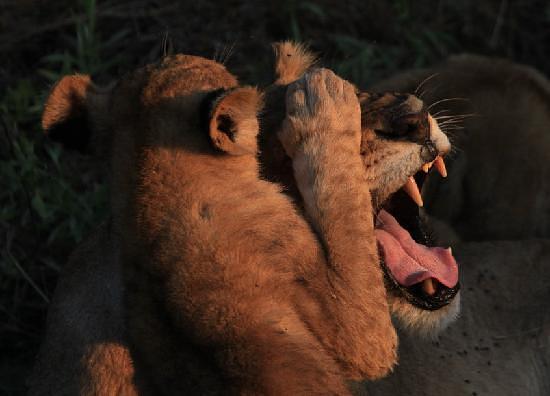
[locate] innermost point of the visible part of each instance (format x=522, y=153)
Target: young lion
x=227, y=287
x=96, y=359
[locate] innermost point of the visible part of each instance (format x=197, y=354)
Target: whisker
x=446, y=100
x=229, y=53
x=452, y=128
x=456, y=150
x=424, y=82
x=451, y=122
x=456, y=117
x=431, y=91
x=443, y=118
x=216, y=53
x=166, y=44
x=224, y=53
x=440, y=112
x=453, y=133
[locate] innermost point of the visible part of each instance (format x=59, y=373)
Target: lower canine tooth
x=428, y=286
x=426, y=168
x=411, y=188
x=440, y=166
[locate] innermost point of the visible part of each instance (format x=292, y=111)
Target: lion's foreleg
x=322, y=134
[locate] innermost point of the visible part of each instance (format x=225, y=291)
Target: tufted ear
x=233, y=124
x=74, y=107
x=292, y=60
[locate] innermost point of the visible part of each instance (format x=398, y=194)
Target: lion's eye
x=393, y=133
x=385, y=134
x=408, y=127
x=412, y=127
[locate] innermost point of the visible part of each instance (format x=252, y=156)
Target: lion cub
x=228, y=288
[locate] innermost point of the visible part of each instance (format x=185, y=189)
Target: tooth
x=411, y=188
x=428, y=286
x=450, y=250
x=440, y=166
x=427, y=166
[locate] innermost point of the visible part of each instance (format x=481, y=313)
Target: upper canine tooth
x=411, y=188
x=440, y=166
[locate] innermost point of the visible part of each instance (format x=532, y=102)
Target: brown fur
x=388, y=162
x=394, y=130
x=227, y=286
x=322, y=133
x=55, y=109
x=291, y=61
x=165, y=83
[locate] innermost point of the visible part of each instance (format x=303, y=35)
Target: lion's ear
x=292, y=60
x=73, y=108
x=233, y=124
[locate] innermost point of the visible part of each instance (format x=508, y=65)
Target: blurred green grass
x=50, y=199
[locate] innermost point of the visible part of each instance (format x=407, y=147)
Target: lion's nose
x=436, y=145
x=439, y=139
x=429, y=152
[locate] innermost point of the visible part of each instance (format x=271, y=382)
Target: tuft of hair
x=426, y=324
x=292, y=60
x=67, y=99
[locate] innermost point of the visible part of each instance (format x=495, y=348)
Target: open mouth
x=424, y=274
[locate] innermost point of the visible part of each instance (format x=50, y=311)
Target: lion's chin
x=421, y=322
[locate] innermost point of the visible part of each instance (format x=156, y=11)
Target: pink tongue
x=410, y=262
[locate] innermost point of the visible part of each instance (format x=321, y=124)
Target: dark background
x=50, y=200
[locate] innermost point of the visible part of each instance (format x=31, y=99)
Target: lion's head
x=182, y=101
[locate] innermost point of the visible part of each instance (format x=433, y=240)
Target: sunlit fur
x=76, y=361
x=388, y=165
x=226, y=286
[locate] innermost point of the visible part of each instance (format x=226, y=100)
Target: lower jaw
x=420, y=322
x=415, y=295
